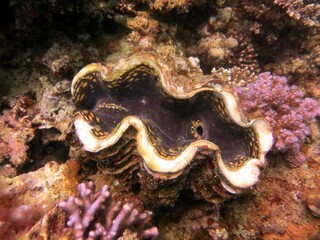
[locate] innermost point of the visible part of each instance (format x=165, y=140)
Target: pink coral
x=114, y=217
x=285, y=108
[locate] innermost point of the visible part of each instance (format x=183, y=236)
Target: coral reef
x=277, y=208
x=218, y=49
x=197, y=222
x=54, y=108
x=313, y=202
x=286, y=109
x=63, y=62
x=17, y=130
x=179, y=5
x=20, y=209
x=279, y=11
x=201, y=43
x=114, y=220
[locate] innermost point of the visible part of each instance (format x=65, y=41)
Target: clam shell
x=171, y=125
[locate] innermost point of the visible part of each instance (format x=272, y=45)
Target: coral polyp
x=171, y=124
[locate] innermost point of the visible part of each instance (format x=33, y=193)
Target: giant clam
x=169, y=126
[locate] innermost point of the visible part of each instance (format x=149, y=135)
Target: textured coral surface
x=268, y=51
x=287, y=110
x=115, y=217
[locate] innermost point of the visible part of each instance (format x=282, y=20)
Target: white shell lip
x=241, y=178
x=87, y=69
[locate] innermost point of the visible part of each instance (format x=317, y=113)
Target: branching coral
x=244, y=55
x=285, y=108
x=281, y=27
x=236, y=76
x=219, y=51
x=111, y=219
x=308, y=12
x=145, y=29
x=278, y=11
x=300, y=66
x=229, y=49
x=179, y=5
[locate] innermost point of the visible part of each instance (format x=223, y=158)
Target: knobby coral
x=286, y=109
x=222, y=46
x=110, y=219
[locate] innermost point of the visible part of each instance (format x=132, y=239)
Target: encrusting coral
x=26, y=198
x=96, y=216
x=286, y=109
x=196, y=222
x=17, y=130
x=54, y=107
x=313, y=203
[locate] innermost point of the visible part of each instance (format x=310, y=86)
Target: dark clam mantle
x=172, y=124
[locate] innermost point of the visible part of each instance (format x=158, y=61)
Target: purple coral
x=285, y=108
x=95, y=216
